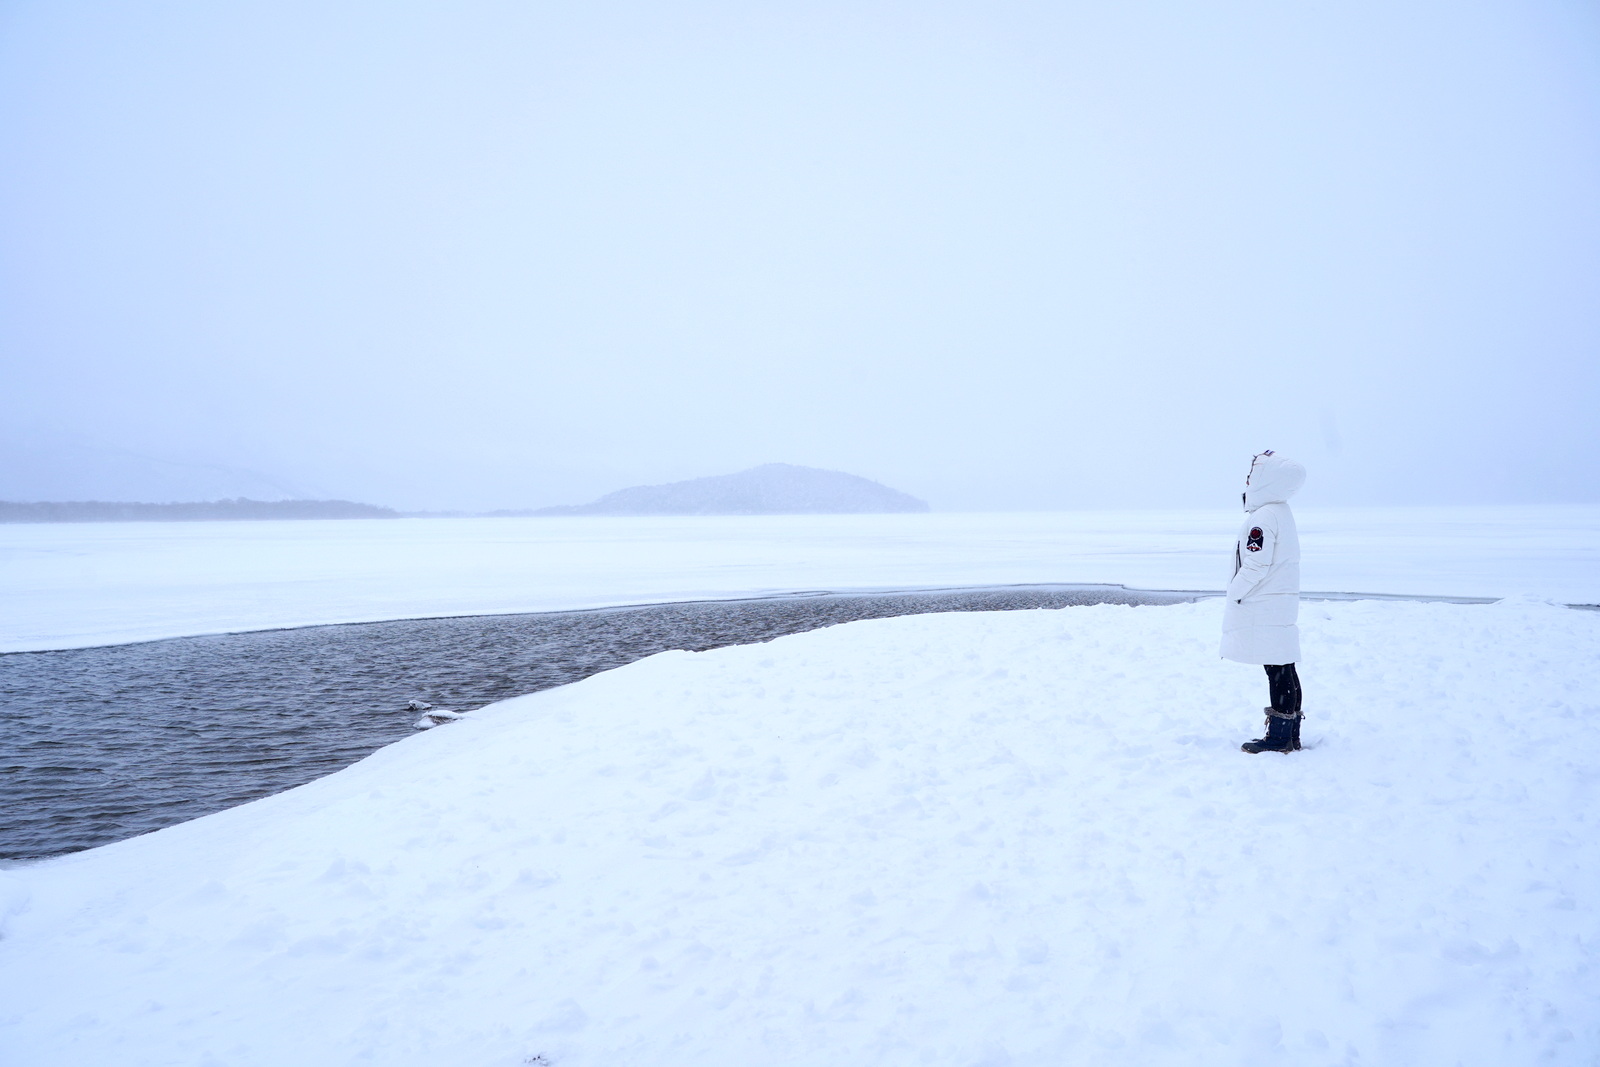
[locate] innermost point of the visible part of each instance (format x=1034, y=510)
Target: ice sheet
x=66, y=586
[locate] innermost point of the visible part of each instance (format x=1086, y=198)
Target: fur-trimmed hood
x=1273, y=479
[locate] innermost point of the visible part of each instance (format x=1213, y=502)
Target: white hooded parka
x=1259, y=620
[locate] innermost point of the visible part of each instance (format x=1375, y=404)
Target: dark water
x=101, y=744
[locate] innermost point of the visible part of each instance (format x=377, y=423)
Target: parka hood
x=1273, y=479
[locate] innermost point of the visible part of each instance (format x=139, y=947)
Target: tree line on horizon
x=237, y=508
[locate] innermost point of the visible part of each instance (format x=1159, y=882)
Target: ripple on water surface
x=103, y=744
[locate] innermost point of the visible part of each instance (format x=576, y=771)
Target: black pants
x=1284, y=685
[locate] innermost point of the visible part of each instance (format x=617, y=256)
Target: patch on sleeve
x=1255, y=539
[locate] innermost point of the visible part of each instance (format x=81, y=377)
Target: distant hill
x=771, y=489
x=240, y=508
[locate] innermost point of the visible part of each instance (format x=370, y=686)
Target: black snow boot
x=1283, y=733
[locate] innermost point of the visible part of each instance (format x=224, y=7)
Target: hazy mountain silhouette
x=63, y=467
x=770, y=489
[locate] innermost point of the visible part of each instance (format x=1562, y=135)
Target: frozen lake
x=69, y=586
x=1037, y=821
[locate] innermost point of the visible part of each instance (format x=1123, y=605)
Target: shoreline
x=107, y=584
x=787, y=595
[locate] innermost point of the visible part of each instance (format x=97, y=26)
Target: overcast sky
x=996, y=254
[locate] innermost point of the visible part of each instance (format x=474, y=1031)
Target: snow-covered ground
x=66, y=586
x=1020, y=838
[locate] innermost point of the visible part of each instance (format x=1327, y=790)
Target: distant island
x=770, y=489
x=239, y=508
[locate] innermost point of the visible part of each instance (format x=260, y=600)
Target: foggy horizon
x=1015, y=256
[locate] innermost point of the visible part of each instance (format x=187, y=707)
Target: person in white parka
x=1263, y=600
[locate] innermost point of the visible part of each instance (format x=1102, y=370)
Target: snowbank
x=67, y=586
x=1013, y=838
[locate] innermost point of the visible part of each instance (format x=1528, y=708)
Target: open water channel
x=101, y=744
